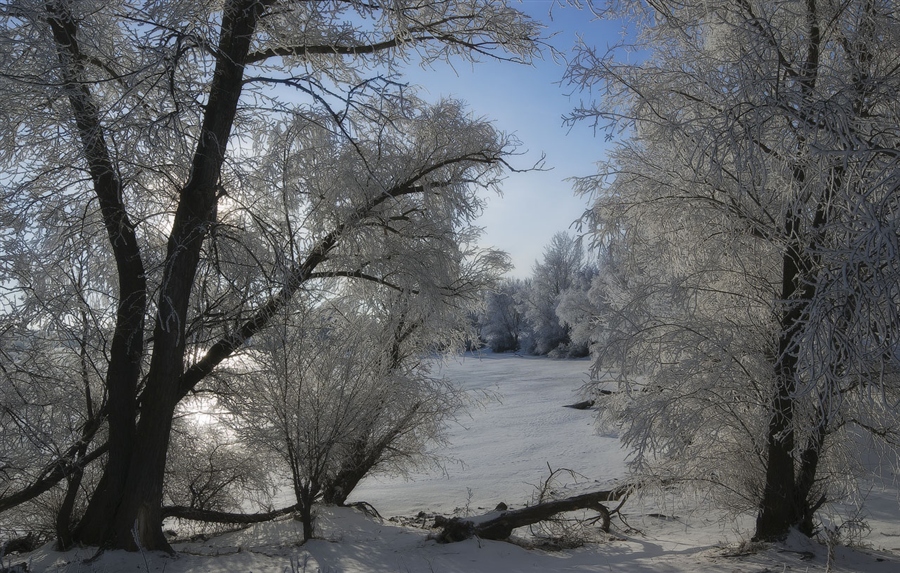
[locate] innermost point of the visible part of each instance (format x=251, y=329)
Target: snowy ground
x=500, y=451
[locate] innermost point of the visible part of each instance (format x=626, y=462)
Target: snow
x=501, y=451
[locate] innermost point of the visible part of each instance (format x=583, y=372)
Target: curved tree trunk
x=127, y=348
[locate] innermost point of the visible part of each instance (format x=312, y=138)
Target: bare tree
x=750, y=218
x=343, y=389
x=153, y=125
x=209, y=470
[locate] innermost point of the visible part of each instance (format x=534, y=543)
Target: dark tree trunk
x=787, y=494
x=64, y=539
x=365, y=456
x=785, y=503
x=126, y=349
x=778, y=510
x=125, y=512
x=306, y=497
x=339, y=488
x=306, y=518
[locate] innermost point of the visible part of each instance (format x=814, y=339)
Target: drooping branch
x=226, y=346
x=302, y=273
x=210, y=516
x=52, y=475
x=332, y=49
x=362, y=276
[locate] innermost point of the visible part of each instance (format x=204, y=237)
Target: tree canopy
x=175, y=173
x=748, y=301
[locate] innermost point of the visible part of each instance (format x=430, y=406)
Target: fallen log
x=498, y=525
x=584, y=405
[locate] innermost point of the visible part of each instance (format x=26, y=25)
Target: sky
x=530, y=102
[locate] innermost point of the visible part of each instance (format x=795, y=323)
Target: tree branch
x=499, y=526
x=210, y=516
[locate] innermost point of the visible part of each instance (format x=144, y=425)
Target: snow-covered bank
x=353, y=543
x=501, y=449
x=504, y=448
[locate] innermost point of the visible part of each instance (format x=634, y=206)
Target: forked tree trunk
x=779, y=509
x=125, y=511
x=786, y=501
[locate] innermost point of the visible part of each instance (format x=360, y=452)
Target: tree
x=576, y=309
x=153, y=134
x=563, y=260
x=51, y=366
x=208, y=470
x=750, y=218
x=342, y=390
x=502, y=325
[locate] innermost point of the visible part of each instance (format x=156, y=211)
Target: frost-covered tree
x=502, y=324
x=343, y=389
x=751, y=221
x=577, y=310
x=52, y=359
x=562, y=262
x=158, y=135
x=209, y=470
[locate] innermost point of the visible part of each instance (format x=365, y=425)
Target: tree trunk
x=778, y=510
x=786, y=502
x=306, y=496
x=64, y=539
x=365, y=457
x=499, y=526
x=127, y=349
x=125, y=512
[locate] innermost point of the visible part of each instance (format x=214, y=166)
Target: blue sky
x=530, y=102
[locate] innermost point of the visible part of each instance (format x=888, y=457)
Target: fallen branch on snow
x=498, y=525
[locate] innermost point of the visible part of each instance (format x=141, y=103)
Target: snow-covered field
x=498, y=452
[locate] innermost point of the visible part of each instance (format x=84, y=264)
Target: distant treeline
x=546, y=314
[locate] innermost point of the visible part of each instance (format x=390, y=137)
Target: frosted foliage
x=503, y=326
x=174, y=174
x=52, y=358
x=749, y=227
x=208, y=469
x=690, y=350
x=473, y=28
x=340, y=389
x=293, y=147
x=298, y=172
x=552, y=276
x=577, y=309
x=400, y=197
x=42, y=406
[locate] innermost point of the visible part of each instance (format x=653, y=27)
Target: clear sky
x=530, y=102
